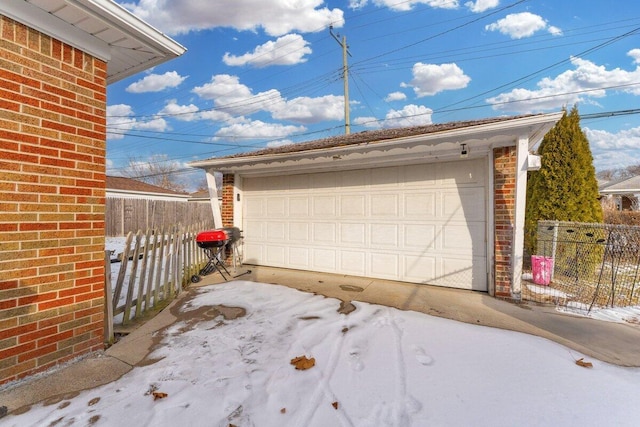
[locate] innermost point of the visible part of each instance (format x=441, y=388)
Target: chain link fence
x=583, y=267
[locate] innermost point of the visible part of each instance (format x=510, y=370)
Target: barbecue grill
x=216, y=245
x=213, y=243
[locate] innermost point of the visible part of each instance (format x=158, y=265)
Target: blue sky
x=268, y=72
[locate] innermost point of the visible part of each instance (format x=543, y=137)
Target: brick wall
x=504, y=199
x=52, y=199
x=228, y=182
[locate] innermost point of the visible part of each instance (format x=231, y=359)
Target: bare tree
x=157, y=170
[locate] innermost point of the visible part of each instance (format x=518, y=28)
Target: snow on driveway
x=377, y=366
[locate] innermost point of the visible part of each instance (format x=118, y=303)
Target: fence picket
x=169, y=257
x=123, y=270
x=132, y=279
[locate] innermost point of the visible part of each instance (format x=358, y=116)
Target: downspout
x=213, y=198
x=517, y=254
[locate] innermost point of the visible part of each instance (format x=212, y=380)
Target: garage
x=440, y=204
x=423, y=223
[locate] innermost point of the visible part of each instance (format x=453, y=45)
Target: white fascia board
x=46, y=23
x=117, y=16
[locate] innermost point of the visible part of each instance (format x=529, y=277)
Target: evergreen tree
x=565, y=188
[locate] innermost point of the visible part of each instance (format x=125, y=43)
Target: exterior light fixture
x=464, y=153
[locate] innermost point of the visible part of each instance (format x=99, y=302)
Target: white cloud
x=276, y=17
x=309, y=110
x=232, y=97
x=191, y=112
x=257, y=129
x=584, y=83
x=614, y=150
x=120, y=120
x=402, y=6
x=635, y=54
x=520, y=25
x=480, y=6
x=287, y=50
x=410, y=115
x=395, y=96
x=430, y=79
x=156, y=82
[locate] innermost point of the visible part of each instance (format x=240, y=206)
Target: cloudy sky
x=263, y=73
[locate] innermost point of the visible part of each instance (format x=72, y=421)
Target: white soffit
x=101, y=28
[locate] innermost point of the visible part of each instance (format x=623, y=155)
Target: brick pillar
x=228, y=183
x=52, y=201
x=504, y=206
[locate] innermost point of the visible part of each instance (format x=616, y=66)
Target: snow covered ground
x=376, y=366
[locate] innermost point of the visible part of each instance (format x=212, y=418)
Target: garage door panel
x=384, y=235
x=299, y=257
x=462, y=273
x=419, y=205
x=420, y=223
x=353, y=206
x=384, y=205
x=299, y=232
x=324, y=259
x=253, y=253
x=466, y=239
x=353, y=234
x=255, y=205
x=463, y=205
x=324, y=232
x=276, y=255
x=276, y=207
x=420, y=236
x=353, y=262
x=276, y=231
x=324, y=207
x=298, y=207
x=255, y=229
x=385, y=265
x=421, y=269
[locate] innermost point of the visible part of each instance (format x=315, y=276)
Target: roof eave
x=109, y=12
x=536, y=127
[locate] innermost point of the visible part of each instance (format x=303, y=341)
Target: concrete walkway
x=609, y=342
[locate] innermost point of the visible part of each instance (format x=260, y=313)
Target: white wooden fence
x=154, y=267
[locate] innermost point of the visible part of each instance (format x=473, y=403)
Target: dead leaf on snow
x=335, y=405
x=283, y=410
x=581, y=362
x=302, y=363
x=159, y=395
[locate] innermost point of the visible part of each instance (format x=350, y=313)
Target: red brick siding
x=228, y=182
x=504, y=207
x=52, y=201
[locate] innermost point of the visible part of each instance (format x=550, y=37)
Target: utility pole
x=345, y=77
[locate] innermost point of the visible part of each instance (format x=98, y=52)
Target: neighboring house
x=622, y=193
x=56, y=59
x=441, y=204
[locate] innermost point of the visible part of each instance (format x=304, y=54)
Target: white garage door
x=421, y=223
